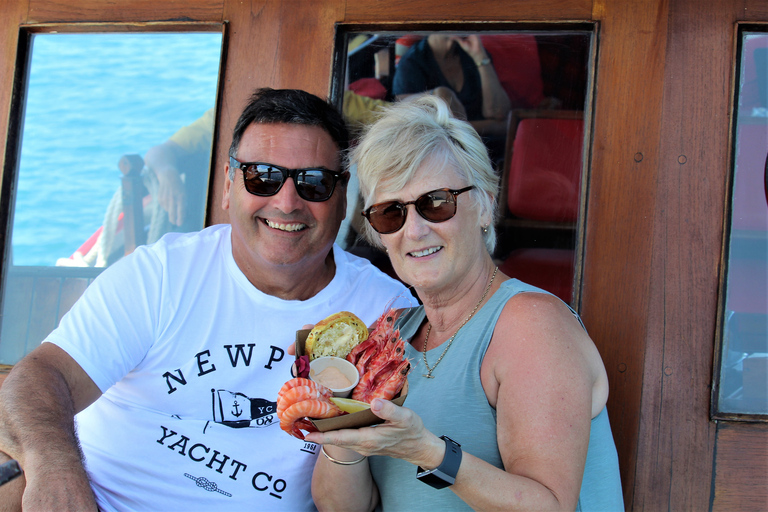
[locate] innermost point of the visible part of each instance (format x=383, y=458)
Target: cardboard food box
x=355, y=420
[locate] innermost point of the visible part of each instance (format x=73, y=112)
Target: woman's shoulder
x=538, y=325
x=530, y=301
x=543, y=332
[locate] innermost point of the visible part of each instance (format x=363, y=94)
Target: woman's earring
x=485, y=230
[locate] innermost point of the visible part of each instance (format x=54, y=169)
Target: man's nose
x=288, y=199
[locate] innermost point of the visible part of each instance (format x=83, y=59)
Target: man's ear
x=227, y=185
x=345, y=188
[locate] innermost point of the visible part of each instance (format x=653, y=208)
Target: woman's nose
x=415, y=226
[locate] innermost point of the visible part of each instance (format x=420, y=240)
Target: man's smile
x=289, y=226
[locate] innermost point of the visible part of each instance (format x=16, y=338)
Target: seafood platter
x=304, y=403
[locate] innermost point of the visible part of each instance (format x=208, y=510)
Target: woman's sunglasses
x=435, y=206
x=314, y=184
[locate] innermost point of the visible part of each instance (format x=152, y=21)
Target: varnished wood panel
x=741, y=468
x=676, y=437
x=621, y=202
x=651, y=286
x=467, y=10
x=47, y=11
x=12, y=14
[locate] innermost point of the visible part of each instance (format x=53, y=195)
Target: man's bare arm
x=38, y=402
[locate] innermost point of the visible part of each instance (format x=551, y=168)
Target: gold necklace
x=429, y=329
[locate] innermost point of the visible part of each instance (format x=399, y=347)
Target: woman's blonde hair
x=409, y=133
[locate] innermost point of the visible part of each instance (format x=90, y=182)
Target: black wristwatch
x=444, y=474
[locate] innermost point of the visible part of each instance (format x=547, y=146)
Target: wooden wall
x=659, y=167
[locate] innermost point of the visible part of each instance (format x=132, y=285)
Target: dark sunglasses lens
x=315, y=184
x=387, y=217
x=436, y=206
x=262, y=180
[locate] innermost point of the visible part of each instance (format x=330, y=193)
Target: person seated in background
x=463, y=67
x=180, y=166
x=171, y=361
x=506, y=405
x=175, y=175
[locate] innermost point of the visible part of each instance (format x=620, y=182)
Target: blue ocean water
x=92, y=98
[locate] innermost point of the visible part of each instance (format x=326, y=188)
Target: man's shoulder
x=366, y=275
x=192, y=246
x=354, y=262
x=209, y=235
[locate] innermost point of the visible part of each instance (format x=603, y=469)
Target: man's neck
x=295, y=282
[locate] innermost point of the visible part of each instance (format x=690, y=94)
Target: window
x=536, y=144
x=742, y=386
x=96, y=104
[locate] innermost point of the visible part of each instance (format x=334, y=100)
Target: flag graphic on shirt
x=237, y=410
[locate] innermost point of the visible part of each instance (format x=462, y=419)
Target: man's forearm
x=36, y=410
x=37, y=429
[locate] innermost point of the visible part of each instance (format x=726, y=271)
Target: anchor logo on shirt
x=236, y=411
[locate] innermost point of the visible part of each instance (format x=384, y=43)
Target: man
x=180, y=348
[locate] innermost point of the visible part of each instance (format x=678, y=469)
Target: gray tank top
x=453, y=403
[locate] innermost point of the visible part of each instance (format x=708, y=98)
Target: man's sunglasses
x=314, y=184
x=435, y=206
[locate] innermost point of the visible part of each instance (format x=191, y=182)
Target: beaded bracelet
x=341, y=462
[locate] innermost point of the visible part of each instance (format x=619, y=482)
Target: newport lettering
x=175, y=378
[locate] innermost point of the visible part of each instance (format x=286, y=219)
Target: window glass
x=535, y=137
x=743, y=384
x=97, y=106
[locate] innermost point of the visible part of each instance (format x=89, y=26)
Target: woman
x=502, y=368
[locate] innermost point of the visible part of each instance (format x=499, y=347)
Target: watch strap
x=443, y=475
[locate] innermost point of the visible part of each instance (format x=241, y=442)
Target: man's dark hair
x=291, y=106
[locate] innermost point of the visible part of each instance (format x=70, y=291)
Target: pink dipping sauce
x=332, y=378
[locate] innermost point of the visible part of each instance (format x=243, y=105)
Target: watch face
x=436, y=479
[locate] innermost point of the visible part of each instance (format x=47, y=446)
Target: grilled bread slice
x=336, y=336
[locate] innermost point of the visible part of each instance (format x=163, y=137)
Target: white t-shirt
x=190, y=357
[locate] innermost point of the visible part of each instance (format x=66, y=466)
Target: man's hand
x=163, y=160
x=172, y=194
x=57, y=486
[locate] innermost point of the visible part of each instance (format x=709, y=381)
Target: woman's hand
x=473, y=46
x=402, y=436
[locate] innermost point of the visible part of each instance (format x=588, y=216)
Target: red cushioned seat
x=545, y=169
x=549, y=269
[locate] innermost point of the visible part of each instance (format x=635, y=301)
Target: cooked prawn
x=380, y=332
x=297, y=381
x=292, y=419
x=393, y=384
x=299, y=393
x=383, y=382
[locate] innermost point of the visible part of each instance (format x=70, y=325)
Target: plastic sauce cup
x=347, y=370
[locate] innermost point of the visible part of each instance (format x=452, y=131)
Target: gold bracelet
x=341, y=462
